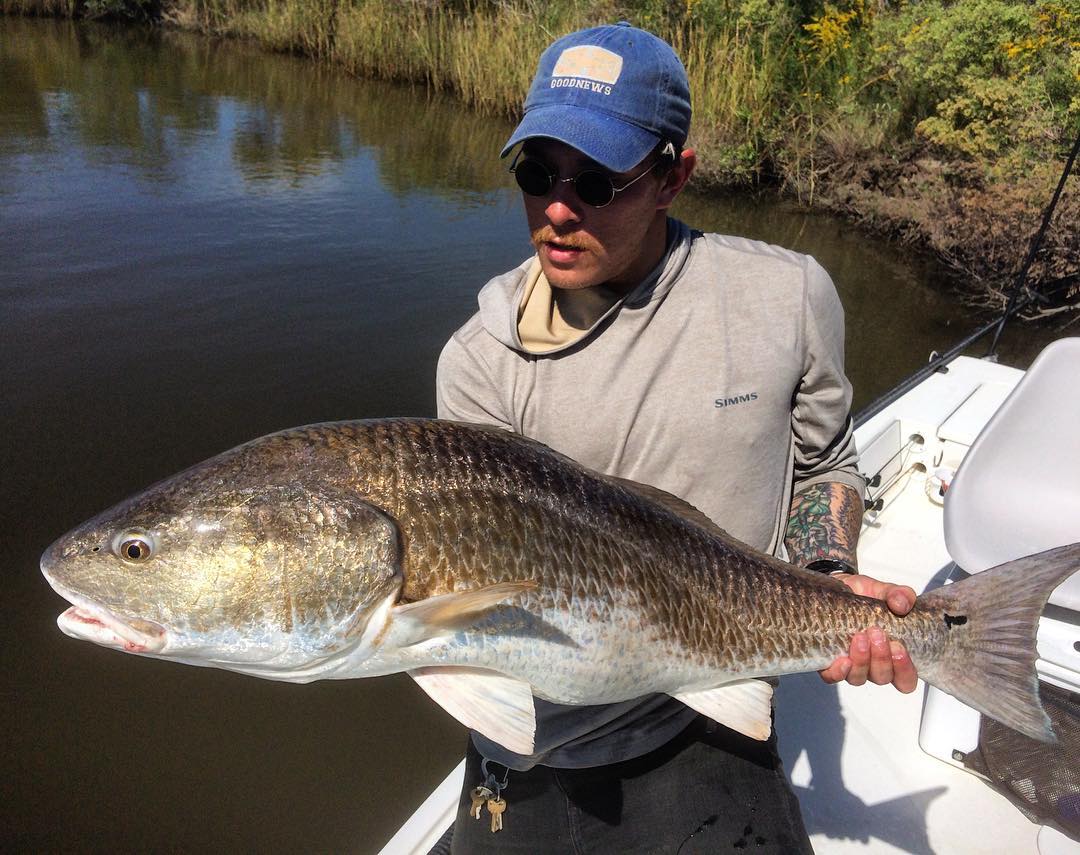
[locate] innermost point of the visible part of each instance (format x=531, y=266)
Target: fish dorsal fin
x=499, y=707
x=673, y=503
x=745, y=706
x=670, y=502
x=688, y=512
x=447, y=613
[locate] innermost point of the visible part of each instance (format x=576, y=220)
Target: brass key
x=496, y=807
x=479, y=795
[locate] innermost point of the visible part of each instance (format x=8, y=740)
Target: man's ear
x=676, y=179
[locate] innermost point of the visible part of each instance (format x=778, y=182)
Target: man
x=706, y=365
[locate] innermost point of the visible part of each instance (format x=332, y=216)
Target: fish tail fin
x=992, y=619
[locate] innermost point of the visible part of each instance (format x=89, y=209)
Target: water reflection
x=22, y=105
x=146, y=98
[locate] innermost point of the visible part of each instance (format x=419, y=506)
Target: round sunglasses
x=593, y=187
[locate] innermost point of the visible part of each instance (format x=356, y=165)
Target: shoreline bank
x=781, y=104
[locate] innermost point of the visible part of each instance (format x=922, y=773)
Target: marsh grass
x=45, y=8
x=486, y=58
x=736, y=81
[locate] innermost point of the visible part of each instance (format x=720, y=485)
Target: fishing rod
x=1015, y=305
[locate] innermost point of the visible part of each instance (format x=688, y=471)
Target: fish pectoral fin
x=448, y=613
x=499, y=707
x=745, y=706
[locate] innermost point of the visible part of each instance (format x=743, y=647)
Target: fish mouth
x=90, y=621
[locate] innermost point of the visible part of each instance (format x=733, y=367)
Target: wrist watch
x=832, y=565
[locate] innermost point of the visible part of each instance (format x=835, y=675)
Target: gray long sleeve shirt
x=719, y=379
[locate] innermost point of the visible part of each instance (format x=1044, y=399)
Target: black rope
x=1010, y=308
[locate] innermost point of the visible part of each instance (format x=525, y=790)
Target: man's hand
x=872, y=655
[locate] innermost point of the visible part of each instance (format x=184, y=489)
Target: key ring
x=490, y=780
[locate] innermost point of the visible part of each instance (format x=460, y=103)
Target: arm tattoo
x=824, y=522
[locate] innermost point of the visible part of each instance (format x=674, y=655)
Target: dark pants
x=708, y=790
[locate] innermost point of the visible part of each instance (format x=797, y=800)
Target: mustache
x=546, y=234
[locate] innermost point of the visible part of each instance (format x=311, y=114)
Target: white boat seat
x=1017, y=491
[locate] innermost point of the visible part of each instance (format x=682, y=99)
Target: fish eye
x=134, y=547
x=135, y=550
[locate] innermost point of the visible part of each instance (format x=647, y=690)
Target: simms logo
x=587, y=67
x=720, y=403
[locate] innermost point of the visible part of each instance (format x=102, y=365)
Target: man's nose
x=561, y=208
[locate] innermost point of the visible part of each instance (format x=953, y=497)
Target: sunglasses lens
x=533, y=177
x=594, y=188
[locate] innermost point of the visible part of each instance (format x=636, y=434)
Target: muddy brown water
x=201, y=243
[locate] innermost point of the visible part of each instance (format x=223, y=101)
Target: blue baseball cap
x=612, y=92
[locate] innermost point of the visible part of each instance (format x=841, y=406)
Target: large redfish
x=493, y=569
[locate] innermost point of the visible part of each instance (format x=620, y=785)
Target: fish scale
x=690, y=561
x=356, y=548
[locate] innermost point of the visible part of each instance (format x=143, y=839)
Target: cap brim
x=611, y=142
